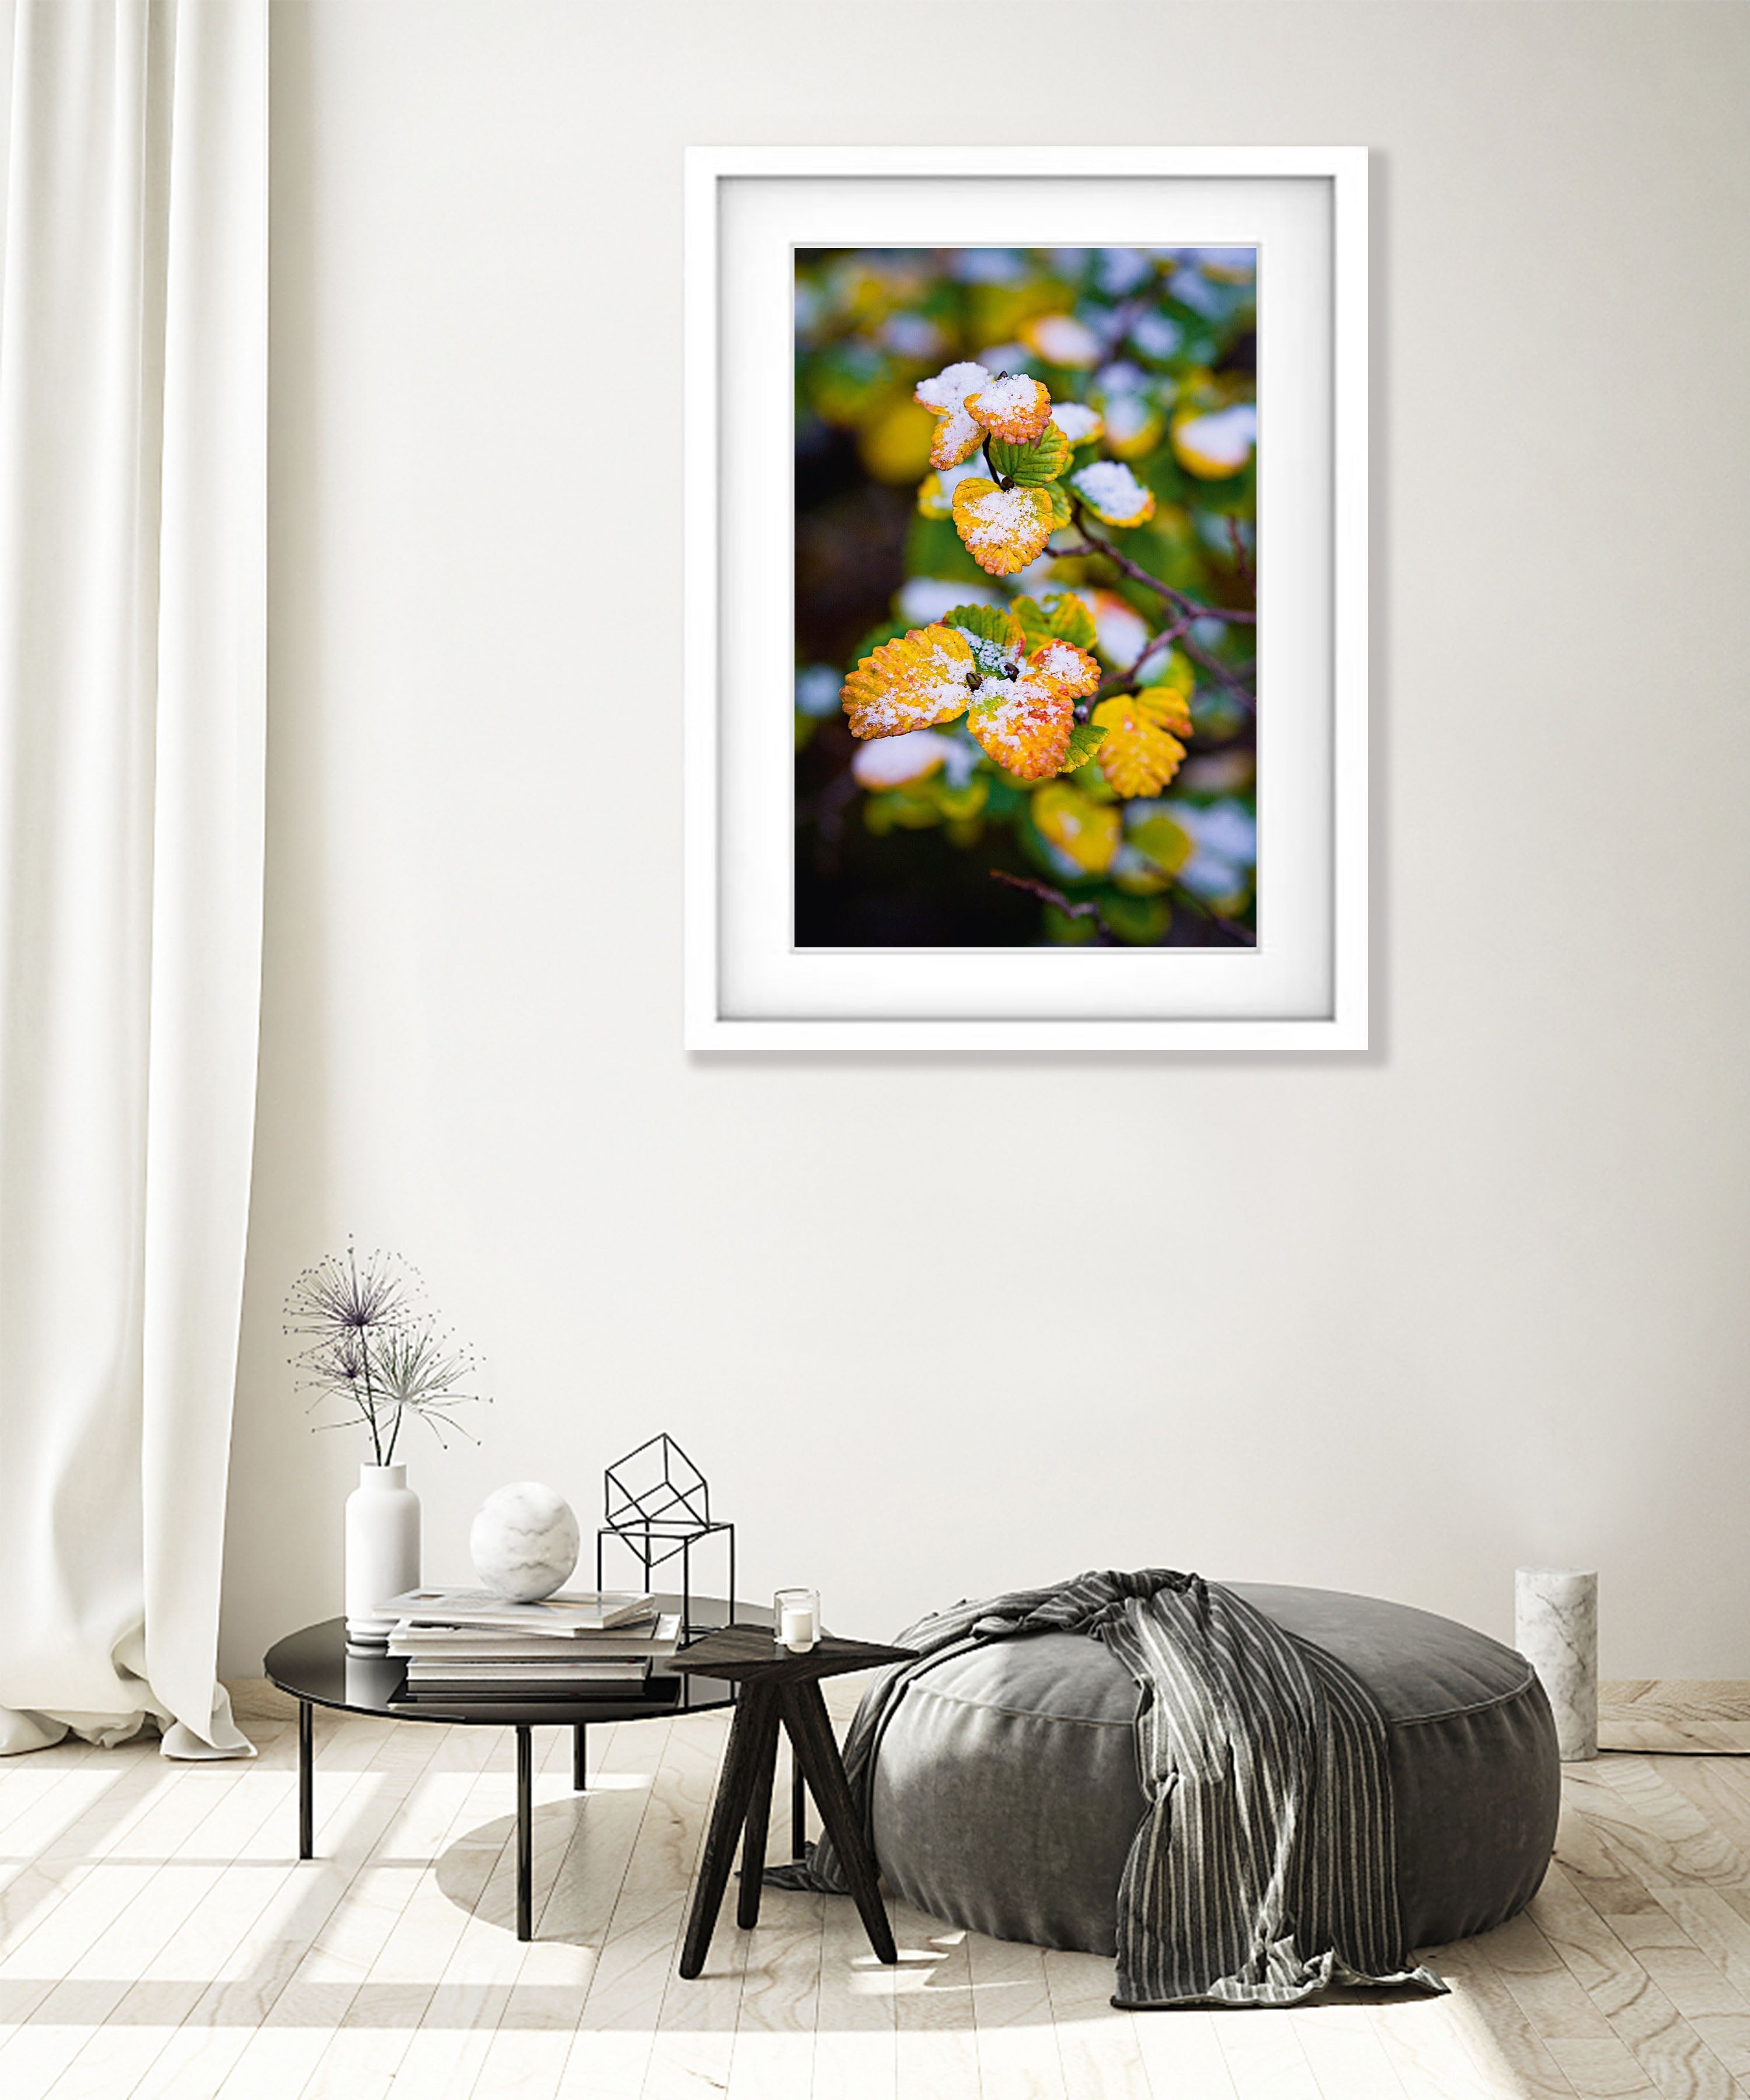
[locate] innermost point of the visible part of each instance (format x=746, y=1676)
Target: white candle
x=797, y=1632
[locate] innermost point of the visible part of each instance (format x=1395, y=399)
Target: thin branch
x=1094, y=545
x=1242, y=561
x=1126, y=682
x=1236, y=685
x=1087, y=908
x=1231, y=927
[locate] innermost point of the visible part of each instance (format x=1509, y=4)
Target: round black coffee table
x=314, y=1667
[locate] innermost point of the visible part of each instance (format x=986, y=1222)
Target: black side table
x=776, y=1686
x=315, y=1666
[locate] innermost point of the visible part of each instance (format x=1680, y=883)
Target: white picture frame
x=1305, y=985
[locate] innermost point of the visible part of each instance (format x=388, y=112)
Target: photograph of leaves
x=1026, y=570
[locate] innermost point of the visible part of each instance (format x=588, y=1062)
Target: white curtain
x=133, y=449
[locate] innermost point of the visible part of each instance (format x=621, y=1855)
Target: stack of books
x=470, y=1646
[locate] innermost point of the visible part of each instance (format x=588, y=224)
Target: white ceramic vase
x=382, y=1550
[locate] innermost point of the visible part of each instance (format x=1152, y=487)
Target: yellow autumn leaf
x=1071, y=670
x=945, y=396
x=1002, y=529
x=1216, y=445
x=1133, y=426
x=1177, y=676
x=1024, y=724
x=1113, y=493
x=1011, y=407
x=1080, y=423
x=896, y=444
x=1088, y=833
x=1169, y=845
x=935, y=491
x=913, y=683
x=1061, y=339
x=1138, y=756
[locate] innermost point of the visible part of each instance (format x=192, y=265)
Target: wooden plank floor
x=1674, y=1714
x=160, y=1940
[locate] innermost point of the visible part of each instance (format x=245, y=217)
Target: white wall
x=1394, y=1322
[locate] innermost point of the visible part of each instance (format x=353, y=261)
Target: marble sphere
x=524, y=1541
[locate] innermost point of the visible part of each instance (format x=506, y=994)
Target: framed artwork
x=1026, y=676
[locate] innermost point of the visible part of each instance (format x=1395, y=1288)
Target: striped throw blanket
x=1265, y=1867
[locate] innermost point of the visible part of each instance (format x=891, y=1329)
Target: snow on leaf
x=936, y=490
x=926, y=601
x=1216, y=445
x=1080, y=423
x=992, y=623
x=890, y=761
x=913, y=682
x=1023, y=723
x=1002, y=529
x=1060, y=664
x=1121, y=629
x=1138, y=757
x=1088, y=832
x=993, y=660
x=1133, y=425
x=1033, y=465
x=945, y=396
x=1113, y=493
x=1061, y=339
x=1012, y=406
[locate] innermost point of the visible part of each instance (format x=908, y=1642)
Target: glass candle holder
x=796, y=1619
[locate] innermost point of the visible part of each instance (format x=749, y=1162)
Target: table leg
x=728, y=1813
x=759, y=1817
x=805, y=1713
x=525, y=1835
x=579, y=1756
x=306, y=1782
x=798, y=1809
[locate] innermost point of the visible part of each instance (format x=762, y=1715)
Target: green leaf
x=988, y=622
x=889, y=630
x=1071, y=620
x=1035, y=624
x=1085, y=740
x=1063, y=932
x=1032, y=466
x=933, y=547
x=1143, y=921
x=1166, y=843
x=993, y=658
x=1061, y=511
x=958, y=804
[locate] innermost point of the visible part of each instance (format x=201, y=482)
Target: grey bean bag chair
x=1006, y=1794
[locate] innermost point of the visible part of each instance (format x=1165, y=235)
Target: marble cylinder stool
x=1556, y=1629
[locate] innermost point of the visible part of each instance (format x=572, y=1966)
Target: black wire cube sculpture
x=657, y=1504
